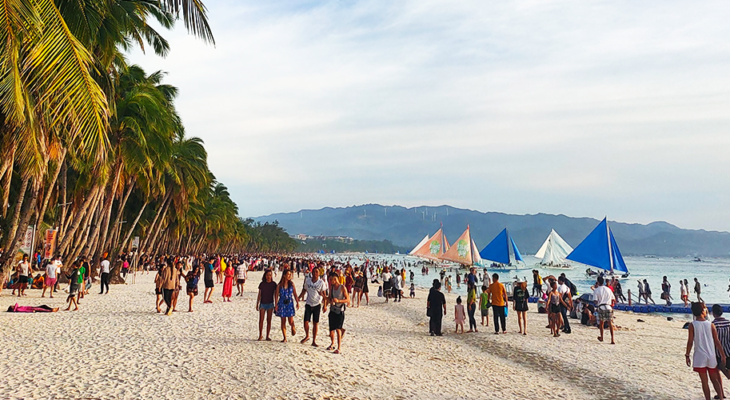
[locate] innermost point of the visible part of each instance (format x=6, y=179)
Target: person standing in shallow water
x=434, y=304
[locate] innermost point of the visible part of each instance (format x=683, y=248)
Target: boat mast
x=610, y=249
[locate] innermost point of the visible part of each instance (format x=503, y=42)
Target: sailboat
x=503, y=251
x=463, y=251
x=599, y=250
x=434, y=247
x=553, y=252
x=418, y=246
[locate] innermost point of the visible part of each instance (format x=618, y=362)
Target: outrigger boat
x=599, y=250
x=553, y=252
x=503, y=252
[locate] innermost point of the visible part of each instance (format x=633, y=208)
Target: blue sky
x=580, y=108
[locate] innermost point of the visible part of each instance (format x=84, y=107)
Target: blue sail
x=618, y=260
x=518, y=256
x=498, y=249
x=593, y=250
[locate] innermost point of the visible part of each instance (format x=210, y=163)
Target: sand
x=118, y=347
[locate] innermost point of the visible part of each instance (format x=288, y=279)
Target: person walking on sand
x=554, y=316
x=105, y=266
x=228, y=274
x=158, y=286
x=484, y=304
x=73, y=287
x=284, y=298
x=170, y=281
x=520, y=297
x=24, y=271
x=605, y=301
x=338, y=299
x=315, y=289
x=434, y=304
x=265, y=303
x=50, y=280
x=698, y=291
x=471, y=304
x=241, y=275
x=208, y=280
x=459, y=316
x=566, y=303
x=722, y=326
x=498, y=299
x=191, y=285
x=703, y=337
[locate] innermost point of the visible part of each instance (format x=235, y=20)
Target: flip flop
x=336, y=352
x=330, y=348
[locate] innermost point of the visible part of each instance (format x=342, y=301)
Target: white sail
x=555, y=249
x=418, y=246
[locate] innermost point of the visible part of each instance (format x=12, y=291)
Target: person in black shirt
x=436, y=301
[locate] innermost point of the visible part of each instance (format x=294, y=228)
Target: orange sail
x=435, y=248
x=462, y=251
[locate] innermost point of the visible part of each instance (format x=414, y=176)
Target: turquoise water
x=713, y=274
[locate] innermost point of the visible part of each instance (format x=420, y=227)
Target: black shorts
x=241, y=281
x=521, y=306
x=158, y=290
x=312, y=313
x=209, y=284
x=555, y=308
x=336, y=320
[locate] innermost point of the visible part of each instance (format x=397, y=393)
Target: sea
x=713, y=274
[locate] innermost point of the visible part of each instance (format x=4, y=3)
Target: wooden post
x=629, y=297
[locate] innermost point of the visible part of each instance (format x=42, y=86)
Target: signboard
x=49, y=247
x=26, y=245
x=135, y=242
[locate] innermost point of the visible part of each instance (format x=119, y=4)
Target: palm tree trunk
x=13, y=245
x=144, y=246
x=74, y=224
x=47, y=197
x=111, y=193
x=16, y=215
x=134, y=225
x=6, y=183
x=61, y=224
x=116, y=229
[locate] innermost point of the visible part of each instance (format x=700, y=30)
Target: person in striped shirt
x=722, y=326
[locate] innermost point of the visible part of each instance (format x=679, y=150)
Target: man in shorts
x=50, y=280
x=241, y=272
x=208, y=279
x=315, y=289
x=605, y=301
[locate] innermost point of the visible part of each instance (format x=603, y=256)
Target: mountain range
x=407, y=226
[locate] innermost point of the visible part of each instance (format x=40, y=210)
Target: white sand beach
x=117, y=347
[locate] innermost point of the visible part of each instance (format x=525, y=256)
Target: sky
x=614, y=108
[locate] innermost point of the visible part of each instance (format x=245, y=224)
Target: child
x=703, y=336
x=484, y=304
x=459, y=315
x=413, y=291
x=73, y=288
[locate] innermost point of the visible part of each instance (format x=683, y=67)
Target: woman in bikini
x=556, y=320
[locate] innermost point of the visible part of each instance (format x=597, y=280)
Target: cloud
x=597, y=108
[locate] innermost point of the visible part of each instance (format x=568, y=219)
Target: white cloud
x=580, y=108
